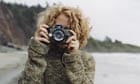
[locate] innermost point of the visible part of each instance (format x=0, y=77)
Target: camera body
x=58, y=35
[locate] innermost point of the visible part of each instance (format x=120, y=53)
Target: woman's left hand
x=73, y=42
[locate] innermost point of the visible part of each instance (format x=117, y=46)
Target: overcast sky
x=118, y=19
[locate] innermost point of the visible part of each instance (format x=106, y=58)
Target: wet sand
x=11, y=65
x=115, y=68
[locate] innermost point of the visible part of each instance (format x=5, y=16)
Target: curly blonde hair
x=78, y=23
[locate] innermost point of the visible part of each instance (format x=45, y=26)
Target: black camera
x=58, y=34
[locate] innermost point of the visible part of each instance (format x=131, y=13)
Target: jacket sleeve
x=35, y=65
x=79, y=69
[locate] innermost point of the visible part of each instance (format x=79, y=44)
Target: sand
x=115, y=68
x=11, y=65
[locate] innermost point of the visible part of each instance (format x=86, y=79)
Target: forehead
x=62, y=19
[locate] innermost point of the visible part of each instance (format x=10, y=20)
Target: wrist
x=37, y=46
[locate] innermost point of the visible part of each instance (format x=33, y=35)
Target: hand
x=41, y=34
x=73, y=42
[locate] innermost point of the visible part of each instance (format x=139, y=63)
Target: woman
x=50, y=63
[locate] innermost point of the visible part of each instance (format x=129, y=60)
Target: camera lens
x=58, y=35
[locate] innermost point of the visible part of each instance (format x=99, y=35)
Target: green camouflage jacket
x=52, y=66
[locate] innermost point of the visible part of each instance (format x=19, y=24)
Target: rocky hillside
x=17, y=23
x=10, y=32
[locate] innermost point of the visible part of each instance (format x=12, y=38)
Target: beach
x=111, y=68
x=11, y=64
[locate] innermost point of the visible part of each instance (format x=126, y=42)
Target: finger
x=43, y=30
x=71, y=46
x=43, y=40
x=44, y=26
x=40, y=30
x=42, y=34
x=72, y=38
x=73, y=33
x=74, y=44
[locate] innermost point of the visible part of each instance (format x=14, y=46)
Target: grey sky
x=118, y=19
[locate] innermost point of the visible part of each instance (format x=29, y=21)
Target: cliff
x=10, y=32
x=17, y=23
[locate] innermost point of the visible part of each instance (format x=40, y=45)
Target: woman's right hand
x=41, y=34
